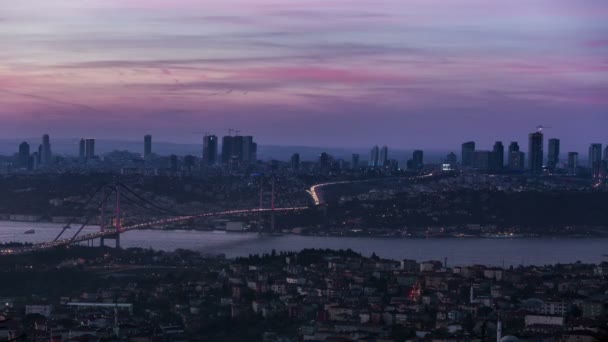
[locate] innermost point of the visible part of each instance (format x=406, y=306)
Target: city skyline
x=415, y=73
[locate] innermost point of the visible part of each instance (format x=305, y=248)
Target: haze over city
x=315, y=73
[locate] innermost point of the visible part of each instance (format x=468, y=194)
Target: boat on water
x=31, y=231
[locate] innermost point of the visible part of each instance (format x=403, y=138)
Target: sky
x=349, y=73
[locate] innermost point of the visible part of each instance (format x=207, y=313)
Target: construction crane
x=540, y=128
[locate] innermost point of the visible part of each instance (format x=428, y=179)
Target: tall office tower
x=34, y=161
x=572, y=162
x=498, y=156
x=147, y=146
x=535, y=152
x=47, y=155
x=383, y=158
x=247, y=150
x=82, y=150
x=606, y=153
x=295, y=161
x=238, y=142
x=595, y=159
x=418, y=159
x=516, y=160
x=451, y=159
x=354, y=162
x=189, y=162
x=468, y=149
x=39, y=155
x=374, y=157
x=209, y=150
x=324, y=161
x=227, y=143
x=513, y=147
x=553, y=154
x=254, y=152
x=89, y=148
x=483, y=160
x=23, y=158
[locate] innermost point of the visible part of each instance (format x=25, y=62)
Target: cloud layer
x=406, y=73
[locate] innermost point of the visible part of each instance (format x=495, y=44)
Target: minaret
x=498, y=330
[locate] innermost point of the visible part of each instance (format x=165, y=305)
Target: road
x=161, y=222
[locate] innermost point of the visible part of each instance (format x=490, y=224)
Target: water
x=527, y=251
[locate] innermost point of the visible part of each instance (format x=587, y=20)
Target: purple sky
x=422, y=73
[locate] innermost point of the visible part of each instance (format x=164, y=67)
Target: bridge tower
x=117, y=222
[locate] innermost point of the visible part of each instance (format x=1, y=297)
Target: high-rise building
x=247, y=154
x=210, y=150
x=498, y=156
x=239, y=149
x=23, y=158
x=147, y=146
x=606, y=153
x=82, y=154
x=572, y=162
x=451, y=159
x=89, y=148
x=46, y=156
x=468, y=149
x=374, y=157
x=553, y=154
x=354, y=163
x=295, y=161
x=535, y=152
x=227, y=142
x=513, y=147
x=383, y=158
x=324, y=161
x=483, y=160
x=595, y=159
x=516, y=160
x=418, y=159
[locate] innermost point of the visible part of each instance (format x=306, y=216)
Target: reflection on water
x=458, y=251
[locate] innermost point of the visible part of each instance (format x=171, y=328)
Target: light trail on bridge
x=161, y=222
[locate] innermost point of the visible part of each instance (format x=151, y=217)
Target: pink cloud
x=319, y=74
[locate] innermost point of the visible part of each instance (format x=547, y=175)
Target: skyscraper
x=227, y=142
x=595, y=159
x=239, y=149
x=247, y=154
x=89, y=148
x=82, y=150
x=418, y=159
x=535, y=152
x=553, y=154
x=451, y=159
x=483, y=160
x=209, y=150
x=23, y=158
x=383, y=158
x=46, y=156
x=515, y=159
x=295, y=161
x=468, y=149
x=498, y=156
x=147, y=146
x=374, y=157
x=572, y=162
x=354, y=163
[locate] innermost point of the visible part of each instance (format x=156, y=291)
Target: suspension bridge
x=111, y=227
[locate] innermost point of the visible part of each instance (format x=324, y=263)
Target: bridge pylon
x=117, y=222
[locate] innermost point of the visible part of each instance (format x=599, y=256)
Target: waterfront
x=538, y=251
